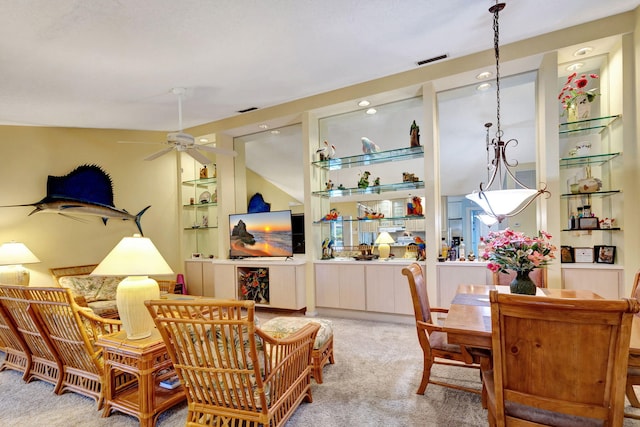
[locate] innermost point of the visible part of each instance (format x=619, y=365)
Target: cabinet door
x=223, y=280
x=403, y=304
x=327, y=285
x=282, y=287
x=452, y=275
x=352, y=287
x=605, y=282
x=194, y=277
x=380, y=288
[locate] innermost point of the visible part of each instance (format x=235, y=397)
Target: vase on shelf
x=580, y=109
x=522, y=284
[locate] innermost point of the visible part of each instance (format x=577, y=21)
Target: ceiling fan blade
x=159, y=153
x=222, y=151
x=140, y=142
x=197, y=155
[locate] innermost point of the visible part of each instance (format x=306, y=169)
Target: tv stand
x=220, y=278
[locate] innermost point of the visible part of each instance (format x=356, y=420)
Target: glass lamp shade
x=136, y=257
x=501, y=203
x=12, y=256
x=383, y=241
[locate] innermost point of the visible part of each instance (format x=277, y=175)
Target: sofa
x=96, y=292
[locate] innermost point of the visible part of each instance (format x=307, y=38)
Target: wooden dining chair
x=633, y=370
x=558, y=362
x=538, y=275
x=432, y=339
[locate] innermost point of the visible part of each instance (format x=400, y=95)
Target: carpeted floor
x=373, y=383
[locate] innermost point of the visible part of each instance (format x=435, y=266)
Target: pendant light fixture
x=501, y=203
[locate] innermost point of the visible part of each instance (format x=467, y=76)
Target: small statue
x=376, y=182
x=332, y=215
x=327, y=248
x=415, y=207
x=368, y=146
x=414, y=132
x=204, y=173
x=328, y=185
x=341, y=187
x=327, y=152
x=364, y=180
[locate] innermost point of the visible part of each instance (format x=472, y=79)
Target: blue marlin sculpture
x=87, y=190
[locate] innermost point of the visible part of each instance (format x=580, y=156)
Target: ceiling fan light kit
x=502, y=203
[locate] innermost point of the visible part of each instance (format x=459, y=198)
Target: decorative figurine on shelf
x=409, y=177
x=328, y=185
x=332, y=215
x=327, y=248
x=215, y=171
x=368, y=146
x=204, y=173
x=364, y=180
x=205, y=221
x=422, y=248
x=411, y=251
x=414, y=208
x=368, y=214
x=341, y=187
x=414, y=132
x=327, y=152
x=376, y=182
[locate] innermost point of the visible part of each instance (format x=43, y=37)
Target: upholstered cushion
x=438, y=340
x=92, y=288
x=104, y=308
x=281, y=327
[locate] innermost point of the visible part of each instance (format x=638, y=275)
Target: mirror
x=464, y=157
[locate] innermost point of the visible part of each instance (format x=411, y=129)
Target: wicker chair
x=72, y=331
x=233, y=373
x=17, y=353
x=558, y=361
x=433, y=340
x=42, y=362
x=633, y=371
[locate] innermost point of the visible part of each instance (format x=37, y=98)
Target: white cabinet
x=451, y=274
x=340, y=286
x=606, y=282
x=204, y=278
x=388, y=289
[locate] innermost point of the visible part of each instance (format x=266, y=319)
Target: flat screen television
x=261, y=234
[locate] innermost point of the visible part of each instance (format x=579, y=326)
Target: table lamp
x=383, y=241
x=137, y=258
x=12, y=256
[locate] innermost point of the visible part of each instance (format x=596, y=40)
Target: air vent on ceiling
x=434, y=59
x=246, y=110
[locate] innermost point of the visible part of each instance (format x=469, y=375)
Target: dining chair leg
x=426, y=373
x=631, y=395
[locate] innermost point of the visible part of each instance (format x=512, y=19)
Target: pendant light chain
x=496, y=39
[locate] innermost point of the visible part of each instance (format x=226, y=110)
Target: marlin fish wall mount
x=87, y=190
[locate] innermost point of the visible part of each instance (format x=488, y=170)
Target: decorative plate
x=205, y=197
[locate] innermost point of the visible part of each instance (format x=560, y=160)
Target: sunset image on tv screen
x=263, y=234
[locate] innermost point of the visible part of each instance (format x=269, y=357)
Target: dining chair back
x=633, y=371
x=432, y=339
x=558, y=361
x=233, y=373
x=538, y=275
x=44, y=365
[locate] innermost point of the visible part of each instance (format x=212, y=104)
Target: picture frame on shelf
x=605, y=254
x=566, y=254
x=196, y=255
x=583, y=255
x=588, y=223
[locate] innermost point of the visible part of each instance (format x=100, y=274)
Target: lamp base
x=14, y=275
x=384, y=250
x=130, y=297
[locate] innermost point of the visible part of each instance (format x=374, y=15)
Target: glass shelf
x=592, y=229
x=594, y=194
x=394, y=218
x=370, y=159
x=200, y=205
x=203, y=181
x=587, y=126
x=370, y=190
x=594, y=160
x=201, y=228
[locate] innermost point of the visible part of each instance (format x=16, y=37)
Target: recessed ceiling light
x=372, y=111
x=203, y=140
x=483, y=86
x=575, y=66
x=364, y=103
x=275, y=132
x=263, y=126
x=484, y=75
x=583, y=51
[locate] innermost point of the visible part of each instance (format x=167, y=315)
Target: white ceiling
x=112, y=63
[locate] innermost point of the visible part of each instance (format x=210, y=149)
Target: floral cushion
x=281, y=327
x=92, y=288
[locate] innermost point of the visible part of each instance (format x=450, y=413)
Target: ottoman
x=281, y=327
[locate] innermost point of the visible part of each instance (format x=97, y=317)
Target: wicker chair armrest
x=98, y=325
x=283, y=356
x=80, y=300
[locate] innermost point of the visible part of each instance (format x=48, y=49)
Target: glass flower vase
x=522, y=284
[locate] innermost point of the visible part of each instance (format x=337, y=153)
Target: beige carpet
x=373, y=383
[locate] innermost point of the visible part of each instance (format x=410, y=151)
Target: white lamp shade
x=16, y=253
x=501, y=203
x=383, y=241
x=136, y=257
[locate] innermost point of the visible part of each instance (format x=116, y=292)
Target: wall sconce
x=383, y=241
x=135, y=257
x=12, y=256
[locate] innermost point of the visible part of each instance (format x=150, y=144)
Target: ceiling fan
x=184, y=142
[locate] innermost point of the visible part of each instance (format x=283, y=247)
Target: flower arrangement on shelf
x=574, y=91
x=254, y=285
x=511, y=250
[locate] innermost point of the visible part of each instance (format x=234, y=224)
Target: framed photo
x=583, y=254
x=588, y=223
x=196, y=255
x=566, y=254
x=605, y=254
